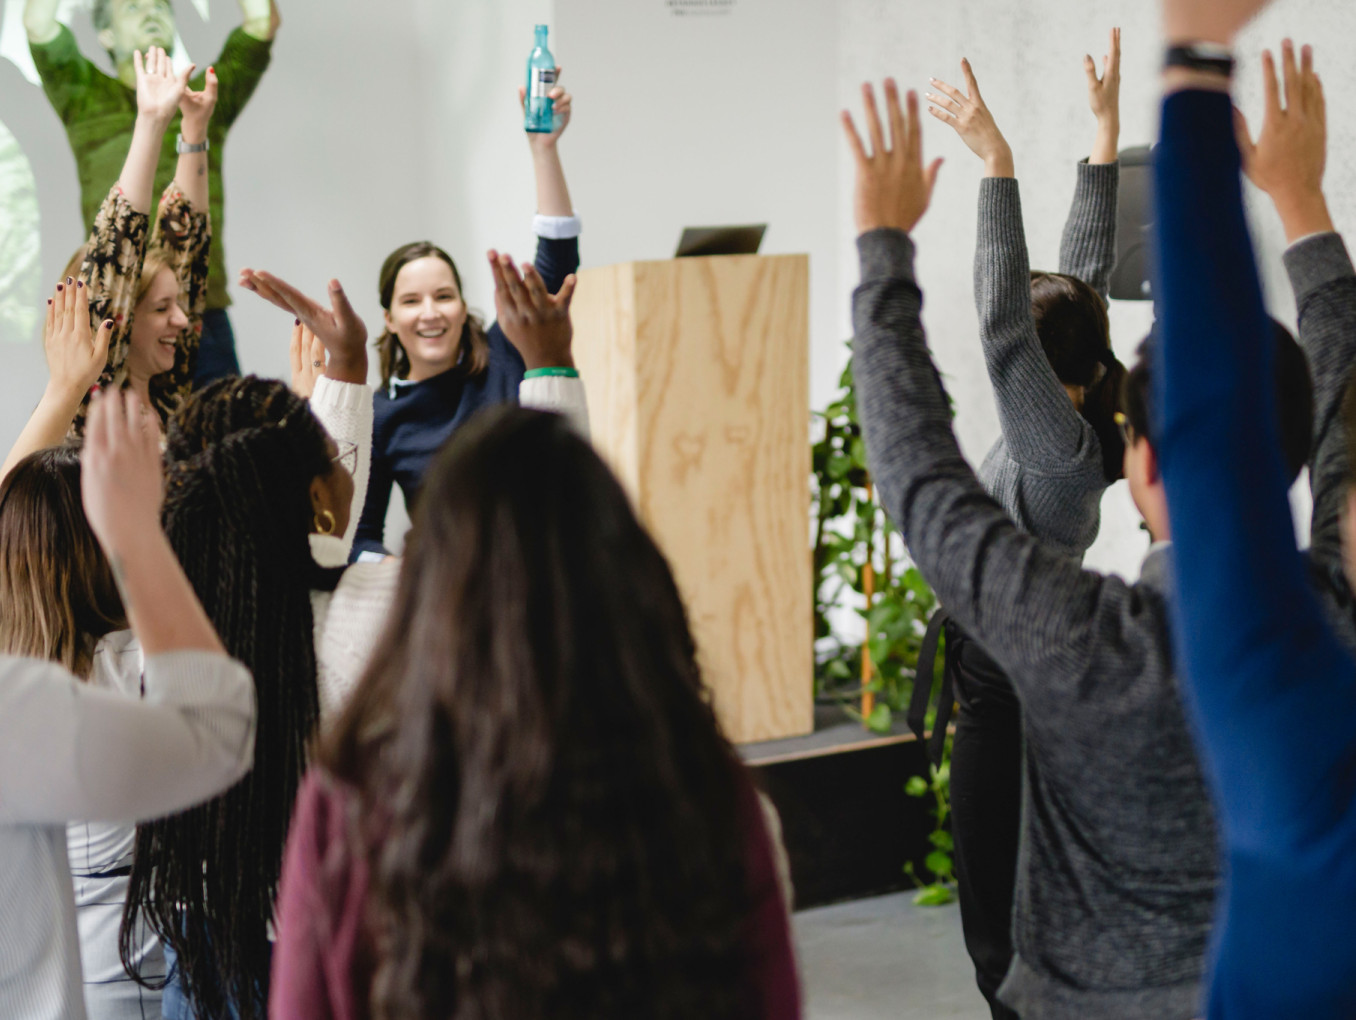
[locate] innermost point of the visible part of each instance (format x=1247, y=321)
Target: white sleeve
x=562, y=394
x=68, y=750
x=345, y=409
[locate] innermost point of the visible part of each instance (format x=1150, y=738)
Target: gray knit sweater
x=1045, y=469
x=1117, y=867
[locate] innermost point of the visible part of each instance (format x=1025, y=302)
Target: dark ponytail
x=240, y=459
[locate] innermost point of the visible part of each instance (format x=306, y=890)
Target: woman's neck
x=428, y=369
x=141, y=387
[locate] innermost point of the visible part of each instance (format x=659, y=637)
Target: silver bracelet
x=182, y=147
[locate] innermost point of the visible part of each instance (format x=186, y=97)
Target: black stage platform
x=848, y=825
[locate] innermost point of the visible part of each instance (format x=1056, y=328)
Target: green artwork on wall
x=20, y=244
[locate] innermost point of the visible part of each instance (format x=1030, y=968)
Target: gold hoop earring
x=324, y=523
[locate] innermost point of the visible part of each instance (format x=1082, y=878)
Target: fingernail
x=69, y=281
x=60, y=288
x=80, y=283
x=108, y=324
x=296, y=322
x=49, y=301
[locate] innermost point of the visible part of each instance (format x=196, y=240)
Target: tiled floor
x=886, y=959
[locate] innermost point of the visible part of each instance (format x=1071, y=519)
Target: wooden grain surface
x=697, y=373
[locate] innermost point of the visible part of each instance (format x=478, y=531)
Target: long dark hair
x=1075, y=333
x=473, y=350
x=544, y=798
x=240, y=458
x=56, y=587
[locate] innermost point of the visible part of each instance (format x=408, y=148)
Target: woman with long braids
x=261, y=490
x=527, y=809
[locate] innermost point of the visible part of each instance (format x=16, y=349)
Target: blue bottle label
x=543, y=81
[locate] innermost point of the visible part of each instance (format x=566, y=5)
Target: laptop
x=721, y=240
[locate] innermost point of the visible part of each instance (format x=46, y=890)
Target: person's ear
x=322, y=506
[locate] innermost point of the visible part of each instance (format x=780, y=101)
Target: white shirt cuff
x=557, y=228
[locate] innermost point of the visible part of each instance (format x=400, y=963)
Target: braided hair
x=240, y=458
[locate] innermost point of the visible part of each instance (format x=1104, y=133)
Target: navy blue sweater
x=411, y=421
x=1272, y=690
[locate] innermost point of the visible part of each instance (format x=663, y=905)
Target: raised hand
x=308, y=360
x=969, y=115
x=159, y=89
x=535, y=321
x=76, y=355
x=562, y=104
x=338, y=328
x=197, y=108
x=893, y=189
x=120, y=474
x=1104, y=98
x=1288, y=159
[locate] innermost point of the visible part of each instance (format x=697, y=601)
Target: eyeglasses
x=347, y=456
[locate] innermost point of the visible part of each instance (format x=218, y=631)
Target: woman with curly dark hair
x=528, y=808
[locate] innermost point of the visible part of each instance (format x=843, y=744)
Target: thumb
x=339, y=302
x=1246, y=146
x=1090, y=69
x=931, y=176
x=566, y=293
x=102, y=339
x=185, y=75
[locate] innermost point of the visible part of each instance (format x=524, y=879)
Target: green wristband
x=562, y=373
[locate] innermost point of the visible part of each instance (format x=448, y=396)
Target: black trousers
x=986, y=805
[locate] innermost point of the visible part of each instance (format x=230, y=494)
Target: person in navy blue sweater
x=440, y=364
x=1263, y=632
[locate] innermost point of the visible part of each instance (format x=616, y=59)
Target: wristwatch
x=181, y=146
x=1209, y=57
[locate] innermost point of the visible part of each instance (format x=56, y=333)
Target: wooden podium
x=697, y=374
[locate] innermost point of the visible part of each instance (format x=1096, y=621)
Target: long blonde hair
x=56, y=586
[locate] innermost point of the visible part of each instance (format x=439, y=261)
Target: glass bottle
x=541, y=79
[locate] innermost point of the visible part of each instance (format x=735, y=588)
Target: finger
x=522, y=98
x=970, y=82
x=102, y=339
x=303, y=307
x=1289, y=73
x=68, y=304
x=1115, y=56
x=96, y=430
x=81, y=305
x=294, y=351
x=854, y=139
x=873, y=125
x=138, y=64
x=944, y=117
x=898, y=128
x=50, y=325
x=316, y=353
x=934, y=168
x=515, y=284
x=1269, y=85
x=1319, y=109
x=942, y=101
x=536, y=287
x=952, y=91
x=263, y=289
x=1090, y=70
x=185, y=76
x=339, y=303
x=566, y=293
x=210, y=88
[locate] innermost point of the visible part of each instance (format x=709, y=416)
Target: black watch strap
x=1201, y=57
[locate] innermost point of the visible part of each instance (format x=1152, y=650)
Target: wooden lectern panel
x=697, y=373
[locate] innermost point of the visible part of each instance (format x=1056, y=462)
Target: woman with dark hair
x=528, y=809
x=1047, y=347
x=439, y=362
x=261, y=490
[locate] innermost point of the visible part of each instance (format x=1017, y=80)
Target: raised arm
x=159, y=91
x=977, y=561
x=538, y=324
x=1287, y=162
x=1044, y=431
x=260, y=19
x=75, y=357
x=40, y=20
x=67, y=751
x=1087, y=249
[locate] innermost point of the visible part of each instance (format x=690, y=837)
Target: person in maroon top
x=527, y=808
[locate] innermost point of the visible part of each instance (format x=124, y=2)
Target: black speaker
x=1134, y=220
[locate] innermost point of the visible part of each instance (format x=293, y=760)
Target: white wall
x=693, y=119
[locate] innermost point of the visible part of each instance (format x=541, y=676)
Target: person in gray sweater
x=1046, y=343
x=1118, y=865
